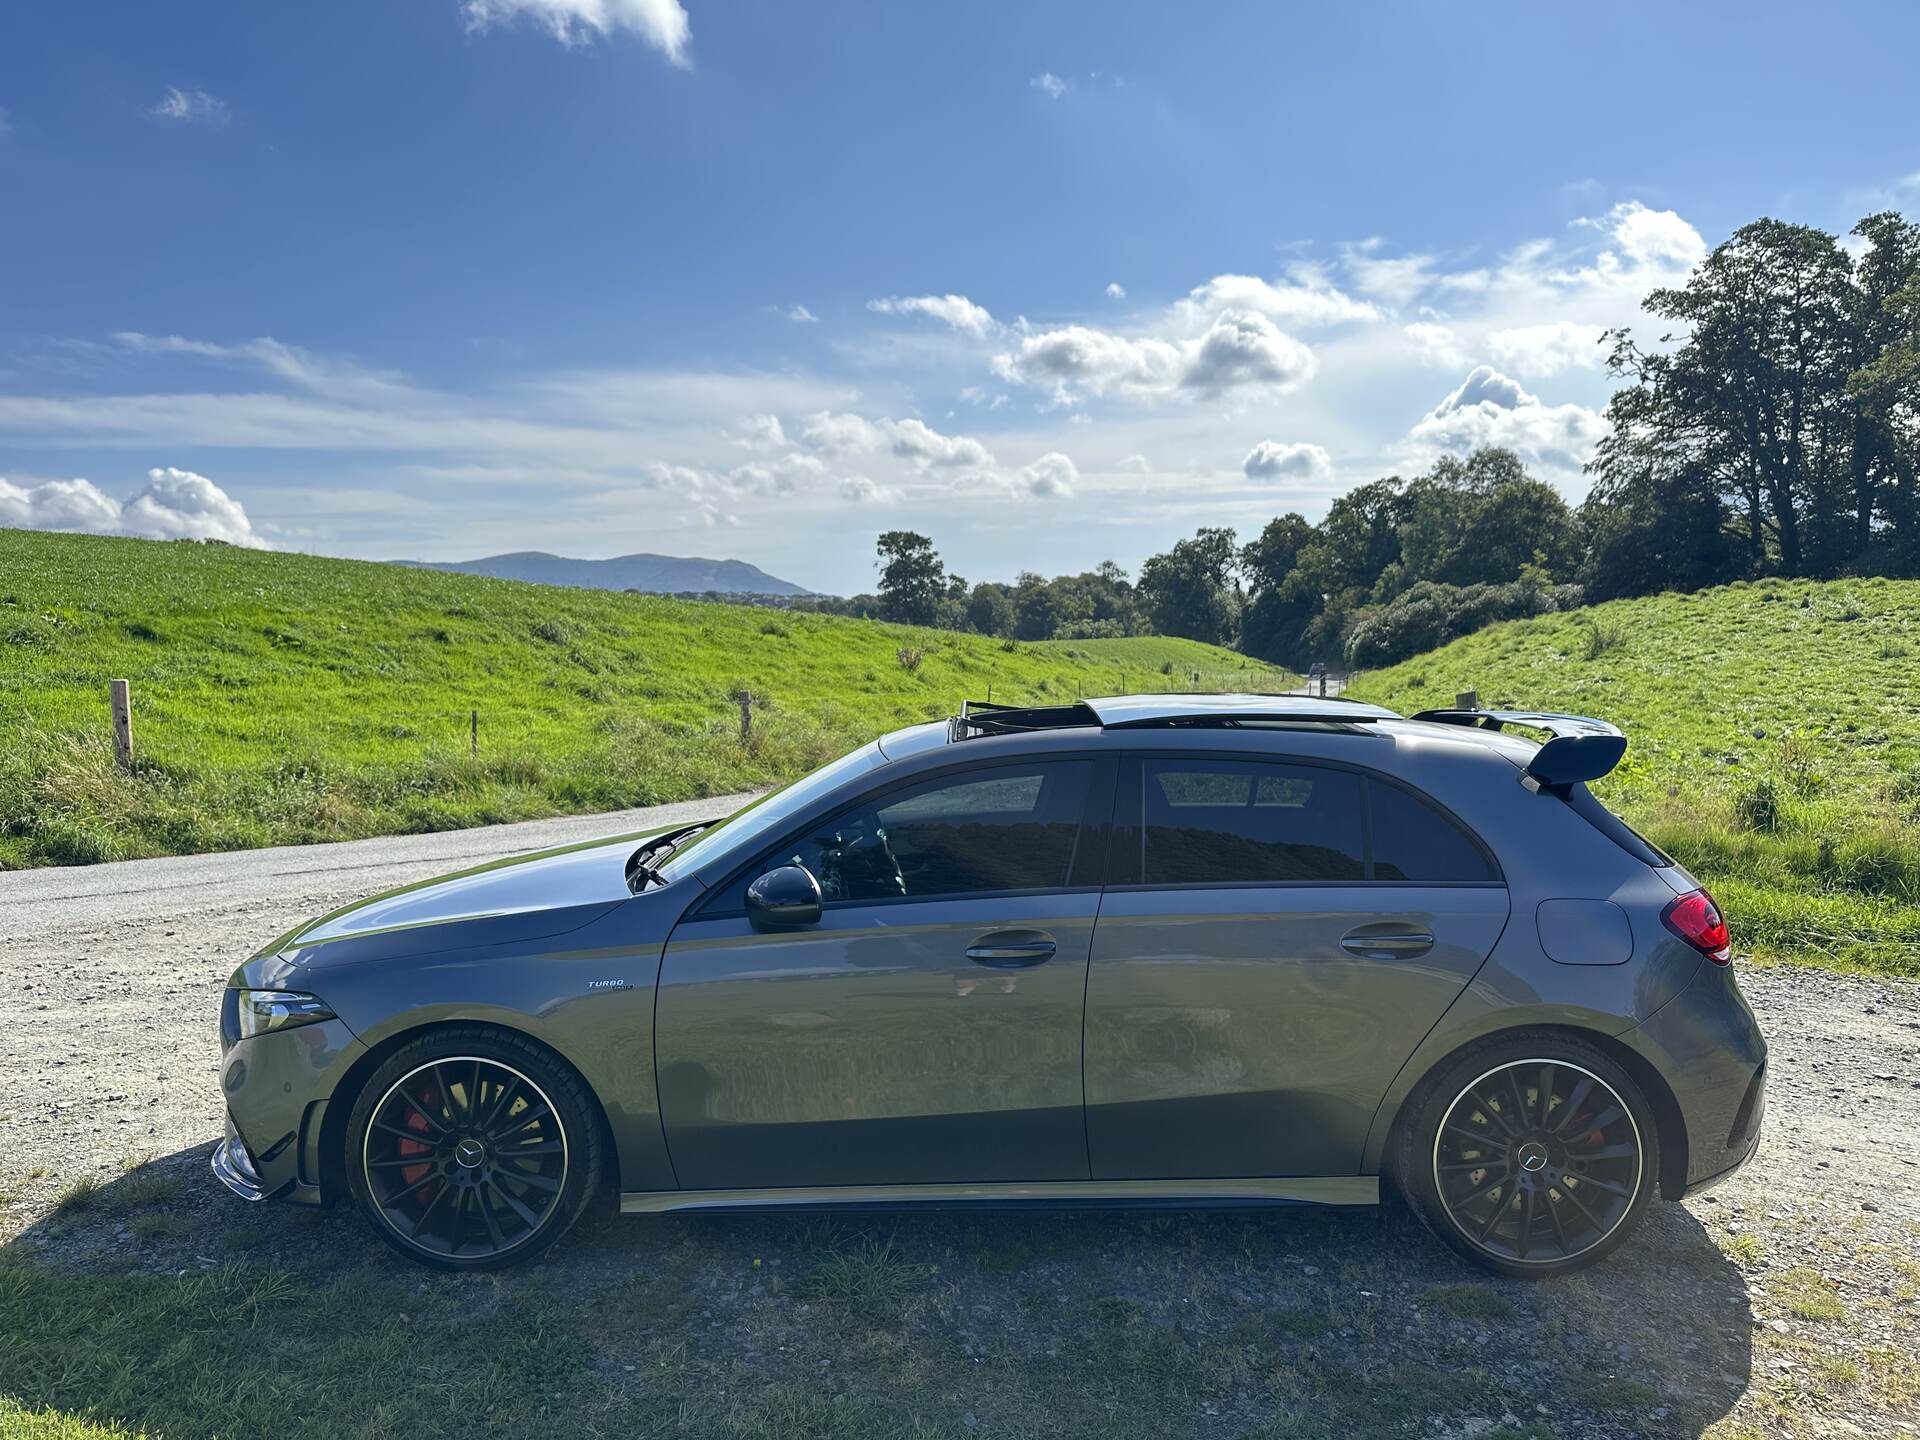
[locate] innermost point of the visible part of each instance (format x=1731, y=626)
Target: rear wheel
x=1532, y=1155
x=472, y=1148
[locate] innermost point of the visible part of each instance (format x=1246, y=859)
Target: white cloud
x=1492, y=409
x=833, y=434
x=1537, y=351
x=1050, y=84
x=861, y=491
x=190, y=107
x=763, y=432
x=1137, y=465
x=1293, y=460
x=1395, y=279
x=1240, y=349
x=58, y=505
x=1116, y=291
x=176, y=504
x=660, y=23
x=1654, y=237
x=1306, y=304
x=955, y=310
x=799, y=314
x=1051, y=477
x=1077, y=359
x=1435, y=344
x=917, y=441
x=1246, y=348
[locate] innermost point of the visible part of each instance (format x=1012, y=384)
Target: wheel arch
x=332, y=1159
x=1667, y=1115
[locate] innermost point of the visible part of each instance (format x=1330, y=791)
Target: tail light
x=1696, y=919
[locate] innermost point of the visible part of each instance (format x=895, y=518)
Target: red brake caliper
x=411, y=1175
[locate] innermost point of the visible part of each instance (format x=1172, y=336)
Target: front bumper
x=277, y=1087
x=233, y=1167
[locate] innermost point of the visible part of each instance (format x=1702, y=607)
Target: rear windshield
x=1615, y=829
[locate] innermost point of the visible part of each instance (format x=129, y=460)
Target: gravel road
x=1787, y=1302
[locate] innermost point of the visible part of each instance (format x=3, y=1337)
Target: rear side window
x=1202, y=821
x=1414, y=842
x=1583, y=804
x=1223, y=821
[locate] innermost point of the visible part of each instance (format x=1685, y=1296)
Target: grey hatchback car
x=1158, y=949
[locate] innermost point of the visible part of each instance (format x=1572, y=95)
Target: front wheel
x=471, y=1148
x=1531, y=1155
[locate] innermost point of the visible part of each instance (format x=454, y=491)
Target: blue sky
x=1054, y=283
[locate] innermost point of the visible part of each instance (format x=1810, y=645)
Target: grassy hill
x=1774, y=744
x=1181, y=664
x=289, y=698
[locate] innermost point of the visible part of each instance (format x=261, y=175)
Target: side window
x=1007, y=828
x=1414, y=842
x=1226, y=822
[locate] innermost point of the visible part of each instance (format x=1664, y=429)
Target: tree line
x=1771, y=427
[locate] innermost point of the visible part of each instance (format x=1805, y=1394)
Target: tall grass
x=288, y=698
x=1774, y=745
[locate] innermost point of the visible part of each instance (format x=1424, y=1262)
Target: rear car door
x=928, y=1029
x=1276, y=939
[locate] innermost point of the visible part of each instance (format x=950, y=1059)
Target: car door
x=1278, y=938
x=928, y=1028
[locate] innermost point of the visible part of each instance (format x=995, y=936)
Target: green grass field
x=1774, y=745
x=290, y=698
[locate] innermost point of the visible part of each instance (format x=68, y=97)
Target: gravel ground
x=1787, y=1302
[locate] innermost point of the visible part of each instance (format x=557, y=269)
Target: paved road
x=193, y=887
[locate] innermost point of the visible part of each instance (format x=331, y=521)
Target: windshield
x=740, y=832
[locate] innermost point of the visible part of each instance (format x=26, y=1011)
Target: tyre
x=1532, y=1154
x=472, y=1148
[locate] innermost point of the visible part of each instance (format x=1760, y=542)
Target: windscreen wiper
x=641, y=871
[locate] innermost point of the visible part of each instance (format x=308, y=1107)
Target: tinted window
x=1415, y=842
x=1214, y=822
x=1615, y=829
x=1012, y=828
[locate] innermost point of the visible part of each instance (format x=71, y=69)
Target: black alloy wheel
x=470, y=1159
x=1535, y=1163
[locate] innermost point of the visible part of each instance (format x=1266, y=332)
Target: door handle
x=1386, y=944
x=1012, y=949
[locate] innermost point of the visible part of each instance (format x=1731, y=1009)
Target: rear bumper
x=1743, y=1139
x=1707, y=1046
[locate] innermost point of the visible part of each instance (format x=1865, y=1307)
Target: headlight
x=264, y=1011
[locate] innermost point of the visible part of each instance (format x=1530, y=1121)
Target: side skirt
x=1297, y=1190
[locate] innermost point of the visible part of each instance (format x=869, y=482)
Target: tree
x=912, y=579
x=1277, y=610
x=1886, y=388
x=990, y=610
x=1190, y=590
x=1755, y=397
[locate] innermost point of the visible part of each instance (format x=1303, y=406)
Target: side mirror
x=784, y=898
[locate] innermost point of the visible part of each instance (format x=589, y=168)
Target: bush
x=909, y=658
x=1758, y=806
x=1427, y=615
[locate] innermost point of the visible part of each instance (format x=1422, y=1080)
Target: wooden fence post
x=1467, y=700
x=118, y=693
x=746, y=715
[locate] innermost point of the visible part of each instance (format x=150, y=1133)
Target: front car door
x=928, y=1029
x=1277, y=939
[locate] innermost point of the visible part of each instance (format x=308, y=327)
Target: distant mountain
x=660, y=574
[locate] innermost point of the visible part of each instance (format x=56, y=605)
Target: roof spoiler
x=1580, y=748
